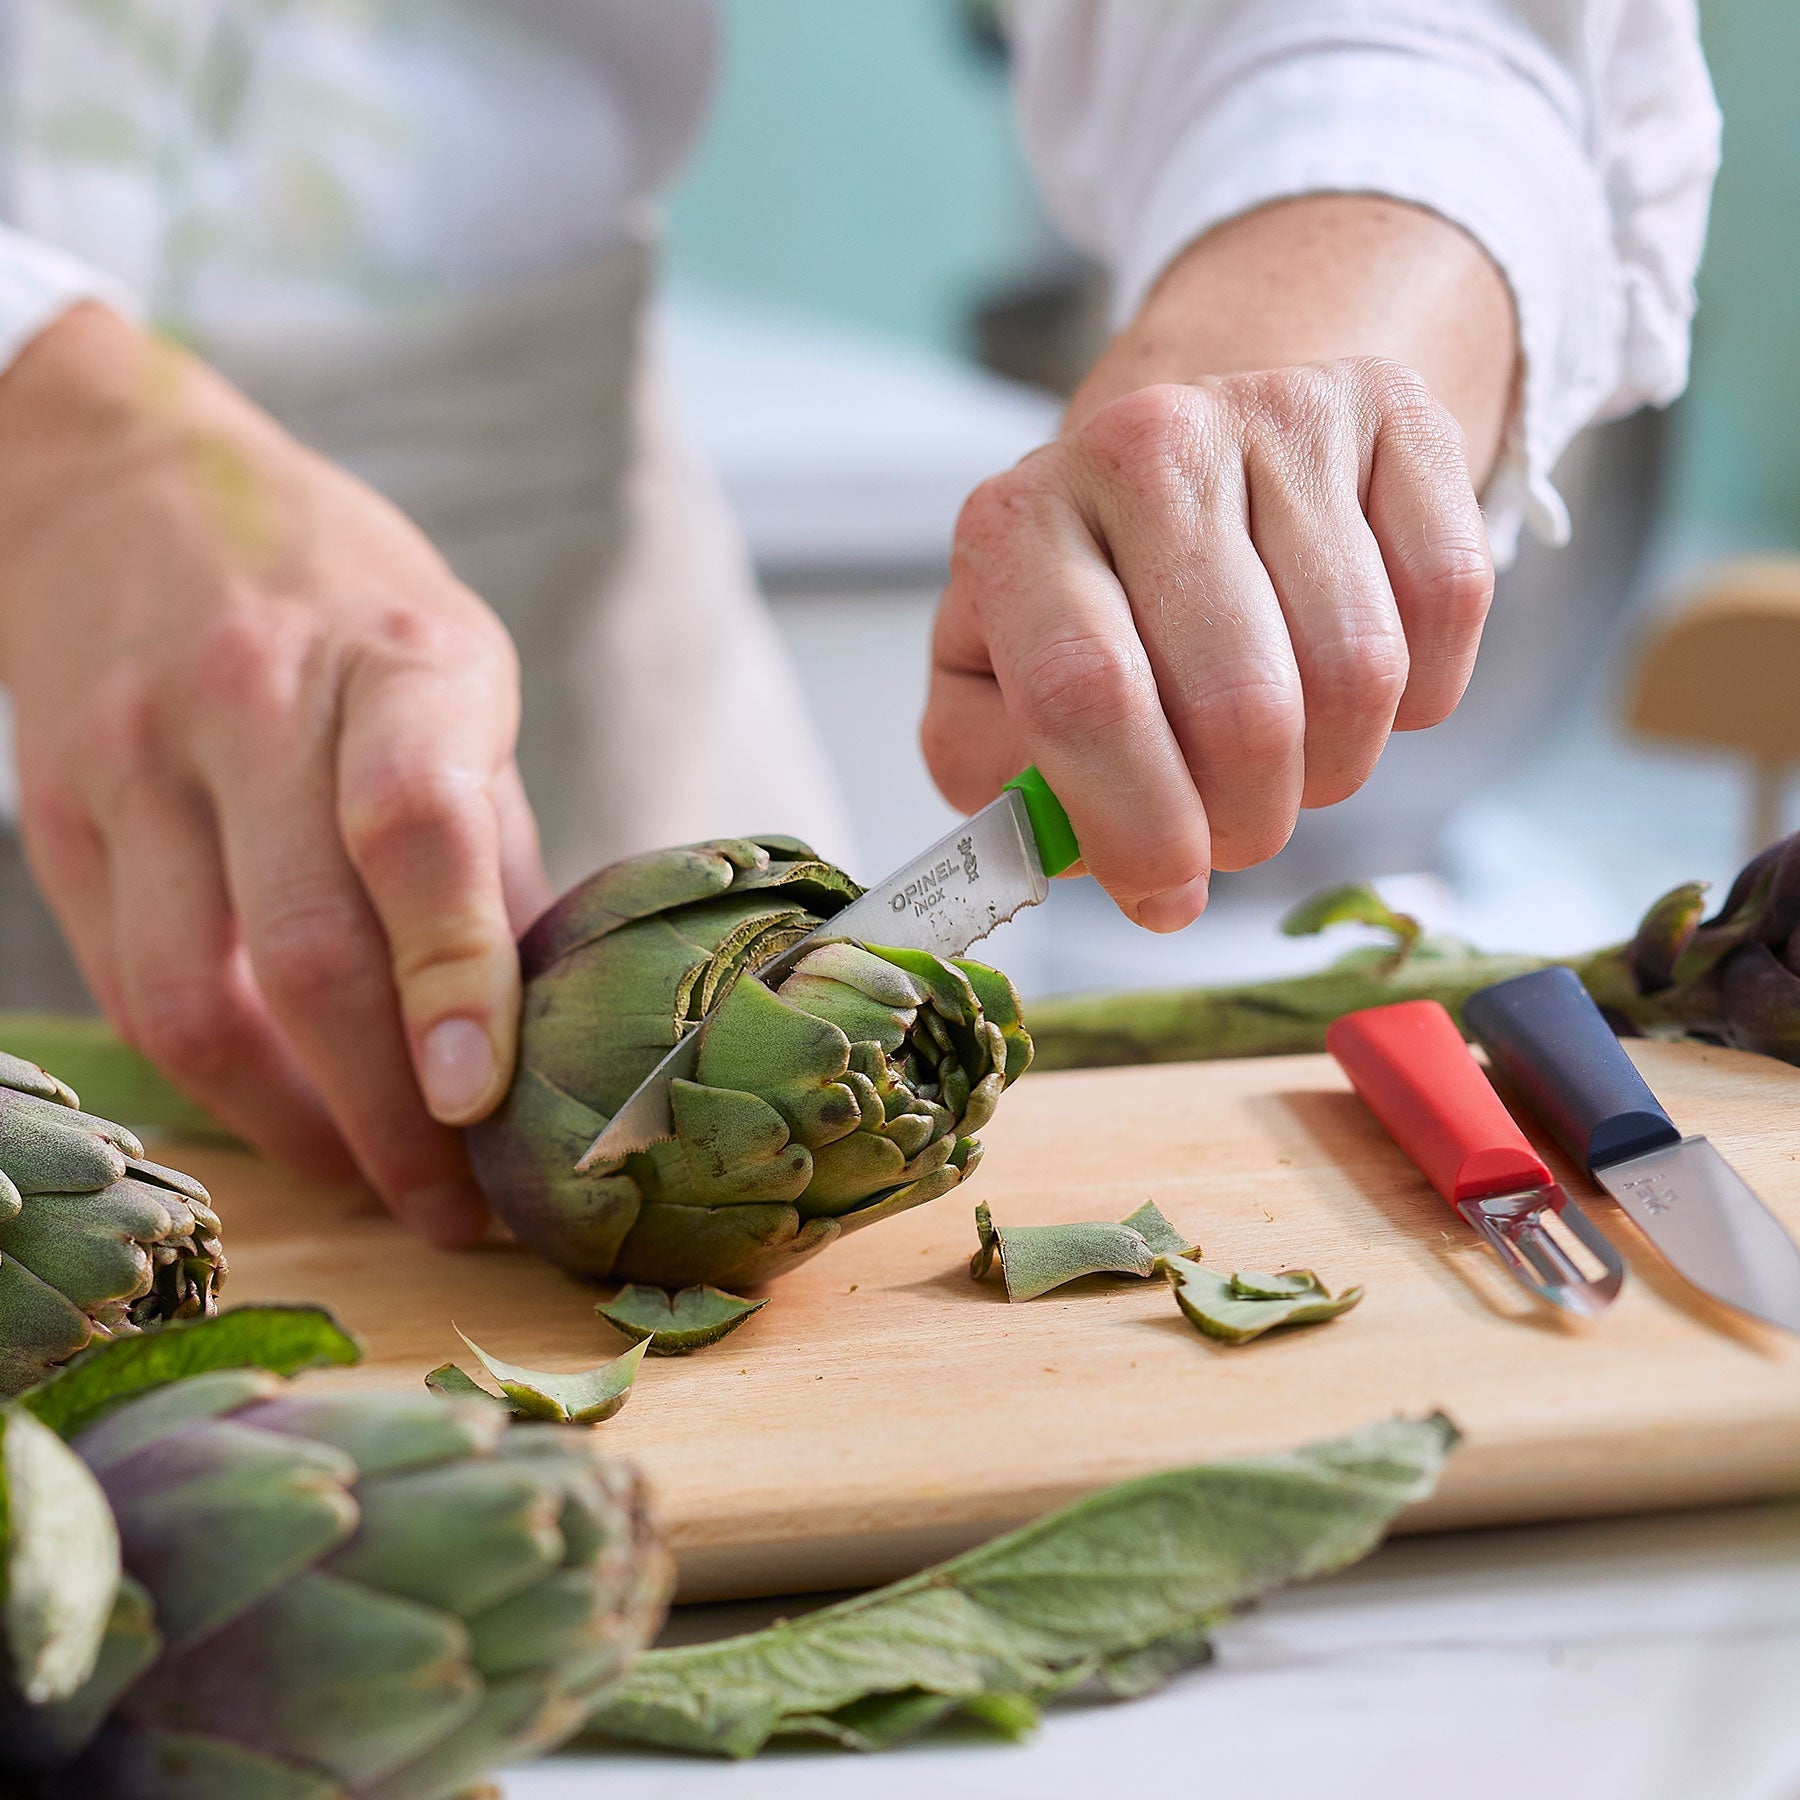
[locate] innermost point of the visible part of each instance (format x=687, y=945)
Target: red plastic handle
x=1410, y=1065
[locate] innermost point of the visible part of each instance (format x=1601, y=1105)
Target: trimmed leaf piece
x=675, y=1324
x=1117, y=1589
x=1356, y=904
x=1158, y=1233
x=1034, y=1259
x=1240, y=1307
x=583, y=1398
x=60, y=1570
x=447, y=1379
x=282, y=1339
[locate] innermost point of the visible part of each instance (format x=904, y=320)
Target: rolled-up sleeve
x=39, y=282
x=1575, y=140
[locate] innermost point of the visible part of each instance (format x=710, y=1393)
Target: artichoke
x=94, y=1240
x=341, y=1596
x=848, y=1093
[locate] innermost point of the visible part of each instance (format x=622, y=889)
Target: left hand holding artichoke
x=849, y=1092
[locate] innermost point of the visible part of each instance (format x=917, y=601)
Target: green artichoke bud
x=850, y=1092
x=94, y=1240
x=342, y=1596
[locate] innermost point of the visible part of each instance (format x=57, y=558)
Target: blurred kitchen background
x=897, y=324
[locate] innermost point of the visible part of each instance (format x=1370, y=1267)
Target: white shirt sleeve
x=1575, y=140
x=39, y=282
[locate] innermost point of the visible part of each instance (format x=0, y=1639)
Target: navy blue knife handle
x=1546, y=1036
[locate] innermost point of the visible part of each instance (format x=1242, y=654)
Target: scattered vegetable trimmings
x=281, y=1339
x=1237, y=1308
x=675, y=1324
x=585, y=1397
x=1117, y=1590
x=1034, y=1259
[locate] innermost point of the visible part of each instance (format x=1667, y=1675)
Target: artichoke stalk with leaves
x=1730, y=979
x=95, y=1241
x=328, y=1596
x=849, y=1092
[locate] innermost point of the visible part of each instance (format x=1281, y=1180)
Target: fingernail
x=456, y=1070
x=451, y=1214
x=1177, y=908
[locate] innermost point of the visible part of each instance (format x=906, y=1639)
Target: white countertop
x=1637, y=1659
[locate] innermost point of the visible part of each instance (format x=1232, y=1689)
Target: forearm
x=1315, y=279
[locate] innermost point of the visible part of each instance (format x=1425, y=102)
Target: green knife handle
x=1056, y=845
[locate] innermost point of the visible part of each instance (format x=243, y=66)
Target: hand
x=265, y=746
x=1209, y=601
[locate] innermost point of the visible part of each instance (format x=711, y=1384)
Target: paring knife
x=1544, y=1033
x=1415, y=1073
x=972, y=879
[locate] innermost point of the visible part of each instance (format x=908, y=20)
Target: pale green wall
x=1736, y=474
x=860, y=163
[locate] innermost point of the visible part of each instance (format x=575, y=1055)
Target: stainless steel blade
x=1702, y=1215
x=1513, y=1225
x=945, y=899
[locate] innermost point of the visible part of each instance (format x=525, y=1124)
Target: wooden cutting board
x=884, y=1410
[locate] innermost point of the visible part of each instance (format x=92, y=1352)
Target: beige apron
x=529, y=435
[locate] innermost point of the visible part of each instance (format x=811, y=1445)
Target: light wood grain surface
x=885, y=1410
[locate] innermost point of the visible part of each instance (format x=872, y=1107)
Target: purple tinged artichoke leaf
x=1759, y=1002
x=326, y=1673
x=217, y=1516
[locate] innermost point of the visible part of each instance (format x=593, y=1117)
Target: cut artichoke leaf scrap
x=676, y=1324
x=580, y=1397
x=1117, y=1591
x=1034, y=1259
x=1237, y=1308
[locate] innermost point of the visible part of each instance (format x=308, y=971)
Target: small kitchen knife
x=1415, y=1073
x=972, y=879
x=1544, y=1033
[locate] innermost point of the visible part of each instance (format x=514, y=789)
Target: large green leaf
x=1117, y=1588
x=284, y=1339
x=59, y=1560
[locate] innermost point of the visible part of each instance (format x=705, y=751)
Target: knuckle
x=249, y=656
x=403, y=814
x=1450, y=586
x=310, y=956
x=1148, y=435
x=1251, y=717
x=994, y=515
x=1359, y=675
x=1079, y=684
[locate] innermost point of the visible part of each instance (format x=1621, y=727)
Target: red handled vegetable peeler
x=1412, y=1068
